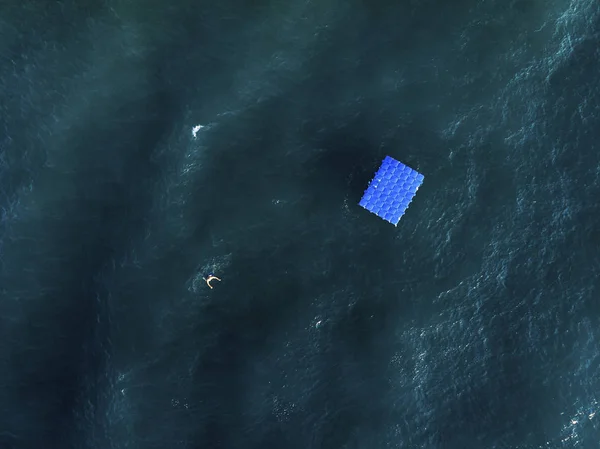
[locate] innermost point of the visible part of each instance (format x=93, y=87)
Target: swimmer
x=211, y=277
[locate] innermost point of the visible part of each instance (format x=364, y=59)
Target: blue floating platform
x=391, y=190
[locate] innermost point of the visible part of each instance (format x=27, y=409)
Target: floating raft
x=391, y=190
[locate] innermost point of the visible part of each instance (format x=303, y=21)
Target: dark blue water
x=473, y=324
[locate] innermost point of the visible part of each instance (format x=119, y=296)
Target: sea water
x=144, y=144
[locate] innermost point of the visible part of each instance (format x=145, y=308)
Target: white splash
x=195, y=130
